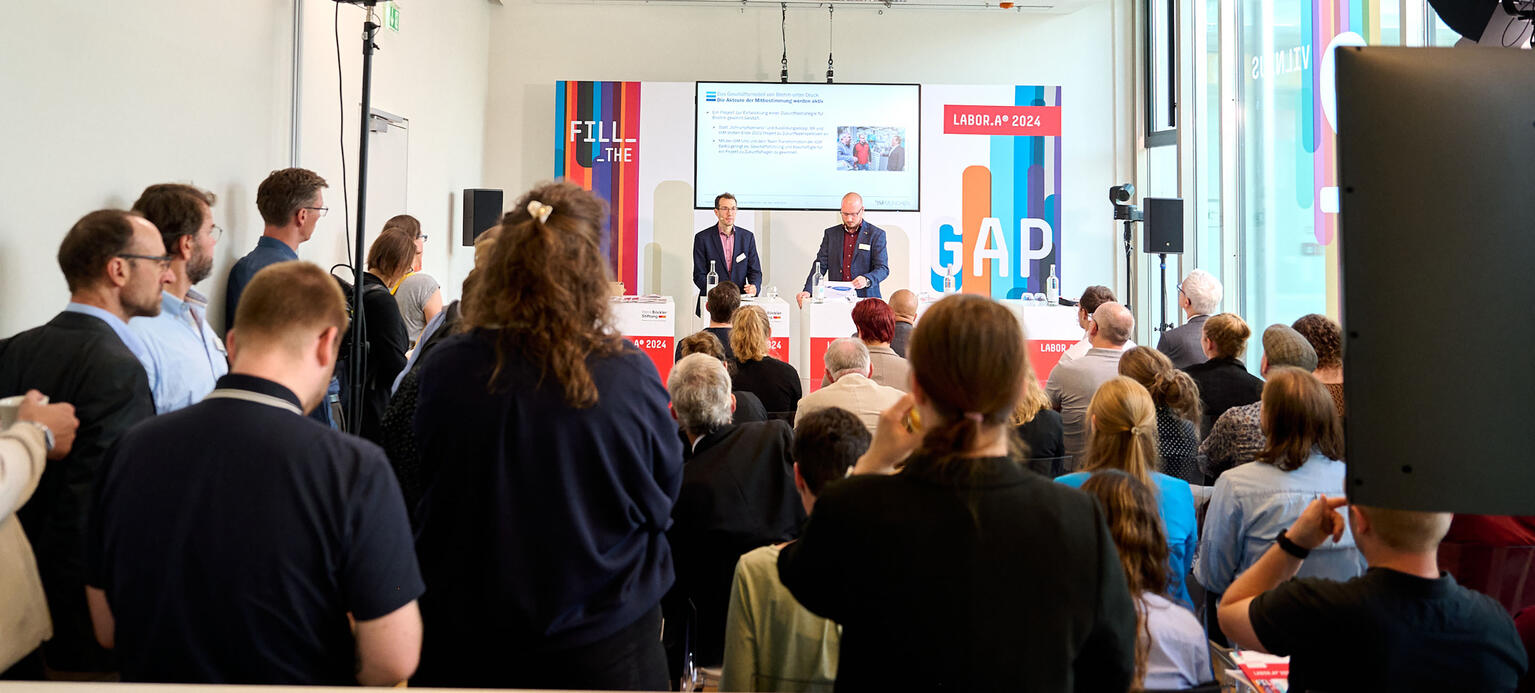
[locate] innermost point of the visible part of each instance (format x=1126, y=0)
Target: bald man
x=853, y=251
x=1073, y=383
x=904, y=304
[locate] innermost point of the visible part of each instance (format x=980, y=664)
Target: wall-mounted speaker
x=482, y=210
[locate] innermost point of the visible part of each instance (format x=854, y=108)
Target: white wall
x=545, y=42
x=103, y=99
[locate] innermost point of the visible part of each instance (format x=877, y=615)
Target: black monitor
x=1436, y=156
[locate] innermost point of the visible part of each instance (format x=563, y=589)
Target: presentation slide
x=803, y=146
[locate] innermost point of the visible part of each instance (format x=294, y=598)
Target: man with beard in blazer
x=853, y=251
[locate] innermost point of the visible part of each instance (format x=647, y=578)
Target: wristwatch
x=47, y=432
x=1291, y=547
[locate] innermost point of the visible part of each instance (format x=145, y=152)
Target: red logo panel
x=1020, y=121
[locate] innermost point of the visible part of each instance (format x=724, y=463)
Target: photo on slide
x=871, y=148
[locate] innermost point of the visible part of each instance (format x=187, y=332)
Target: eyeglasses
x=321, y=210
x=421, y=238
x=215, y=232
x=726, y=209
x=163, y=260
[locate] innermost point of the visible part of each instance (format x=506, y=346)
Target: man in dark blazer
x=853, y=251
x=116, y=266
x=1199, y=296
x=741, y=265
x=737, y=494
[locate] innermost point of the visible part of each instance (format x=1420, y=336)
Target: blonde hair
x=1408, y=531
x=1032, y=399
x=1169, y=387
x=749, y=331
x=1123, y=433
x=1228, y=333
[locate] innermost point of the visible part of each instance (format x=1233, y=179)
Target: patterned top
x=1178, y=446
x=1336, y=390
x=1236, y=438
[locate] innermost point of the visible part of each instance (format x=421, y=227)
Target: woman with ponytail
x=963, y=570
x=1171, y=651
x=1122, y=435
x=542, y=532
x=1177, y=400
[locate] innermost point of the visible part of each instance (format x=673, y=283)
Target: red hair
x=874, y=320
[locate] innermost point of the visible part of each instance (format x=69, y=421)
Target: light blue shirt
x=129, y=339
x=1249, y=506
x=1175, y=503
x=183, y=357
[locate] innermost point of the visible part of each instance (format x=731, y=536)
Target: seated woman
x=1171, y=650
x=964, y=570
x=1253, y=502
x=876, y=327
x=1177, y=400
x=1326, y=337
x=774, y=382
x=1122, y=435
x=1039, y=427
x=748, y=407
x=1223, y=380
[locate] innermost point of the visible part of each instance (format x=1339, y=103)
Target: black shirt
x=1389, y=631
x=233, y=537
x=1045, y=439
x=1223, y=383
x=774, y=382
x=1007, y=582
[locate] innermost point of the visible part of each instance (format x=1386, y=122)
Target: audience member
x=384, y=330
x=291, y=204
x=1073, y=383
x=737, y=494
x=903, y=303
x=1403, y=626
x=1253, y=502
x=1038, y=426
x=417, y=294
x=772, y=643
x=231, y=540
x=774, y=382
x=1092, y=297
x=41, y=431
x=1236, y=438
x=847, y=366
x=721, y=303
x=876, y=327
x=186, y=356
x=748, y=407
x=935, y=572
x=1199, y=296
x=1177, y=400
x=539, y=583
x=1223, y=380
x=1171, y=649
x=1124, y=437
x=1326, y=338
x=116, y=267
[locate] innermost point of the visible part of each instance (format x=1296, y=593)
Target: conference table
x=651, y=323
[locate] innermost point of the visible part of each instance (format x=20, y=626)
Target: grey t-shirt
x=411, y=297
x=1071, y=388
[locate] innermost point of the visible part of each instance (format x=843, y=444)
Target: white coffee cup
x=10, y=407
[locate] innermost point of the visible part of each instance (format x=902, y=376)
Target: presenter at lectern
x=733, y=250
x=852, y=252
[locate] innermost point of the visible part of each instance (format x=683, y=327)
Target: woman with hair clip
x=963, y=570
x=1039, y=427
x=542, y=537
x=1122, y=435
x=1177, y=400
x=1171, y=651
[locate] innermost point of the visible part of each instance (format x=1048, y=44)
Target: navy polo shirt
x=233, y=537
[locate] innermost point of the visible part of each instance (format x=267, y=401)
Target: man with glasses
x=733, y=250
x=1199, y=297
x=851, y=252
x=115, y=265
x=185, y=355
x=291, y=203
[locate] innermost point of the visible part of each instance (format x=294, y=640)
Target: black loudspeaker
x=1163, y=225
x=482, y=210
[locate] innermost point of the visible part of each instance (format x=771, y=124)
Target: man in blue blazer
x=741, y=265
x=854, y=251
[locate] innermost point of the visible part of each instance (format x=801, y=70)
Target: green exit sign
x=392, y=16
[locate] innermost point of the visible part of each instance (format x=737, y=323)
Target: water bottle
x=948, y=282
x=1052, y=288
x=711, y=279
x=817, y=282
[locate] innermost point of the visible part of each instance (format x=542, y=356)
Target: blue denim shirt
x=185, y=356
x=268, y=251
x=1249, y=506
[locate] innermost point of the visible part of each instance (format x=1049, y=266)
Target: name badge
x=741, y=257
x=863, y=246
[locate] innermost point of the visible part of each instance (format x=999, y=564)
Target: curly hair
x=1326, y=338
x=544, y=291
x=750, y=330
x=1130, y=508
x=1228, y=332
x=1169, y=387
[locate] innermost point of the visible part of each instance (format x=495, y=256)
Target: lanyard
x=258, y=398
